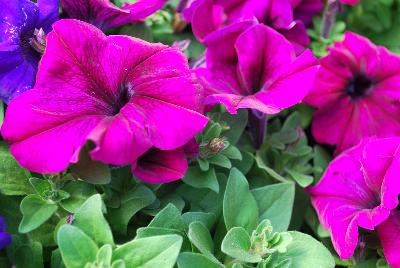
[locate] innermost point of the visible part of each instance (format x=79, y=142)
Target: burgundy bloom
x=360, y=188
x=357, y=93
x=207, y=16
x=305, y=10
x=122, y=93
x=105, y=15
x=157, y=166
x=250, y=65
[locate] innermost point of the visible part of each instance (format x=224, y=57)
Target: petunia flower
x=350, y=2
x=123, y=94
x=23, y=25
x=356, y=93
x=250, y=65
x=305, y=10
x=105, y=15
x=360, y=189
x=5, y=238
x=207, y=16
x=157, y=166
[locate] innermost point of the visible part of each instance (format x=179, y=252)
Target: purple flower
x=305, y=10
x=123, y=94
x=105, y=15
x=357, y=92
x=250, y=65
x=360, y=188
x=5, y=238
x=22, y=27
x=208, y=16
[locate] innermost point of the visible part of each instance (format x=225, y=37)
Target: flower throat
x=359, y=86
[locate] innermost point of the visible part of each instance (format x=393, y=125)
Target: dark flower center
x=125, y=94
x=359, y=86
x=26, y=45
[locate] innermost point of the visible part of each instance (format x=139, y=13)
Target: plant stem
x=329, y=18
x=258, y=127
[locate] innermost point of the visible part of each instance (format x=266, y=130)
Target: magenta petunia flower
x=389, y=235
x=250, y=65
x=305, y=10
x=105, y=15
x=360, y=188
x=357, y=93
x=207, y=16
x=350, y=2
x=157, y=166
x=124, y=94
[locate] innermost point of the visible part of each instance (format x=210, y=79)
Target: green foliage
x=243, y=211
x=13, y=179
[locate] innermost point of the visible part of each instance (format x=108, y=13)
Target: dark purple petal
x=158, y=166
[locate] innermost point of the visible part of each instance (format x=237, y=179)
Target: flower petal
x=389, y=235
x=169, y=126
x=158, y=166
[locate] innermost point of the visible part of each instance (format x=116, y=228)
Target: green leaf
x=321, y=160
x=305, y=252
x=208, y=219
x=237, y=123
x=35, y=211
x=200, y=237
x=79, y=192
x=118, y=264
x=13, y=179
x=275, y=202
x=191, y=260
x=239, y=206
x=131, y=203
x=302, y=179
x=268, y=170
x=214, y=131
x=220, y=160
x=90, y=170
x=170, y=217
x=157, y=251
x=139, y=30
x=203, y=164
x=237, y=244
x=56, y=259
x=202, y=179
x=104, y=255
x=29, y=256
x=77, y=249
x=232, y=152
x=10, y=210
x=245, y=164
x=156, y=231
x=42, y=187
x=89, y=218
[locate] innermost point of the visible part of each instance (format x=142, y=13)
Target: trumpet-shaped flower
x=105, y=15
x=356, y=93
x=305, y=10
x=250, y=65
x=5, y=238
x=360, y=188
x=23, y=25
x=207, y=16
x=124, y=94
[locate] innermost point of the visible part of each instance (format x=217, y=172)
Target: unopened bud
x=38, y=41
x=216, y=145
